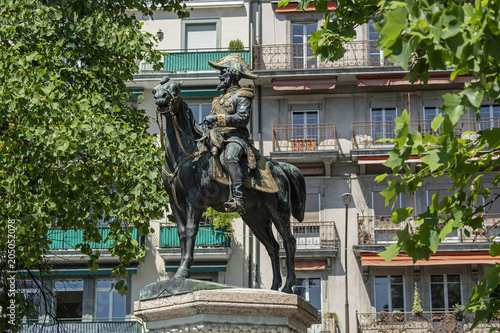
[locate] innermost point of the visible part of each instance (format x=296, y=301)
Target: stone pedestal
x=187, y=305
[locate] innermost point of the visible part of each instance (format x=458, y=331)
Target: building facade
x=326, y=118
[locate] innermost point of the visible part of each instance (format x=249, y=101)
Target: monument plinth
x=187, y=305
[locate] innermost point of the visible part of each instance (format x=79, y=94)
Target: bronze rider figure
x=230, y=116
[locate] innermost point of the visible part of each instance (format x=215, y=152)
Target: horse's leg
x=281, y=219
x=180, y=219
x=193, y=217
x=259, y=221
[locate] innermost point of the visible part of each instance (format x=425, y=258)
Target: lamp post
x=346, y=199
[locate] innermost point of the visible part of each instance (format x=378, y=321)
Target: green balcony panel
x=207, y=237
x=194, y=61
x=68, y=239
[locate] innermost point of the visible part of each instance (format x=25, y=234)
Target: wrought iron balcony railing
x=192, y=60
x=381, y=230
x=207, y=236
x=366, y=134
x=326, y=325
x=313, y=234
x=423, y=322
x=68, y=239
x=122, y=325
x=297, y=56
x=304, y=137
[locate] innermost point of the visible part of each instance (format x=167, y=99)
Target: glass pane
x=119, y=305
x=484, y=111
x=437, y=296
x=105, y=284
x=205, y=110
x=377, y=114
x=315, y=295
x=454, y=295
x=68, y=285
x=437, y=278
x=397, y=297
x=453, y=278
x=102, y=310
x=381, y=294
x=300, y=288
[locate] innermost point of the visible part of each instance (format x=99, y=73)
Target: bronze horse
x=188, y=178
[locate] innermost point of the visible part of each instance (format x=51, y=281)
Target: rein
x=174, y=101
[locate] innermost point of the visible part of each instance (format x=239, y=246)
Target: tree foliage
x=73, y=151
x=461, y=37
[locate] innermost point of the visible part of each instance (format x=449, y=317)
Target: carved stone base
x=226, y=310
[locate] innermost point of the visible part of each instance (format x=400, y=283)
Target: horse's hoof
x=182, y=273
x=287, y=290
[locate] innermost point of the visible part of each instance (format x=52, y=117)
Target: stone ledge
x=236, y=307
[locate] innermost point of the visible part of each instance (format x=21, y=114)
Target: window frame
x=447, y=307
x=389, y=295
x=188, y=22
x=300, y=56
x=307, y=289
x=387, y=130
x=112, y=293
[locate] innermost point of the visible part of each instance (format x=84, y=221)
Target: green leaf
x=401, y=214
x=495, y=249
x=436, y=159
x=391, y=27
x=436, y=122
x=390, y=252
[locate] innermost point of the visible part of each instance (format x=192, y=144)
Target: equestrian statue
x=222, y=170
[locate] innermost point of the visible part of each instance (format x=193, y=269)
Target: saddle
x=264, y=183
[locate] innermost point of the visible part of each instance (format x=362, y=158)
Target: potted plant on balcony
x=236, y=45
x=417, y=303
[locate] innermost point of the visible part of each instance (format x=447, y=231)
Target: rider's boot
x=237, y=202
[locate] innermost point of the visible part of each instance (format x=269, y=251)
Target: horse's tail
x=297, y=190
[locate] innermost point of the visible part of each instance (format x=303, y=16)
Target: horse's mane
x=191, y=119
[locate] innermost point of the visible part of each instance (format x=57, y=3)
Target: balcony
x=380, y=230
x=192, y=60
x=295, y=57
x=311, y=142
x=313, y=239
x=366, y=134
x=326, y=325
x=211, y=245
x=69, y=239
x=84, y=326
x=424, y=322
x=207, y=236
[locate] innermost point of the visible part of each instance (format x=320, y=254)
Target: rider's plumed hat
x=236, y=62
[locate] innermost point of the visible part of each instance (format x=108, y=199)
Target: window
x=109, y=303
x=490, y=116
x=305, y=124
x=301, y=50
x=69, y=298
x=389, y=293
x=446, y=291
x=310, y=290
x=384, y=230
x=32, y=295
x=430, y=112
x=200, y=111
x=375, y=57
x=202, y=35
x=443, y=192
x=383, y=122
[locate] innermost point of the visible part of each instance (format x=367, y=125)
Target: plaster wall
x=227, y=17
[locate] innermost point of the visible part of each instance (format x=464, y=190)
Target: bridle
x=171, y=111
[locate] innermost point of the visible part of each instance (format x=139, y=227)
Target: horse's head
x=166, y=91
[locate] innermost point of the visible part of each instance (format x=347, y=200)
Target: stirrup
x=232, y=206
